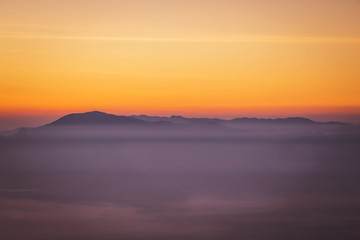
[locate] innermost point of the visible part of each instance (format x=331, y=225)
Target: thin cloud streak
x=246, y=39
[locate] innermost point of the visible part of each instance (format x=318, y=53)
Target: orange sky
x=191, y=57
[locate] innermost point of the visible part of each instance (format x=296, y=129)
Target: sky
x=219, y=58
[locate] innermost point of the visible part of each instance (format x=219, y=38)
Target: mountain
x=180, y=120
x=216, y=121
x=282, y=121
x=101, y=118
x=95, y=118
x=290, y=120
x=93, y=121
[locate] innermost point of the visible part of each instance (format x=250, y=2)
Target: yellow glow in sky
x=210, y=57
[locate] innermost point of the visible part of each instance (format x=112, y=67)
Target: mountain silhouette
x=283, y=121
x=216, y=121
x=98, y=120
x=95, y=118
x=290, y=120
x=180, y=119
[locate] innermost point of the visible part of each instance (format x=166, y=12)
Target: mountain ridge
x=98, y=118
x=94, y=118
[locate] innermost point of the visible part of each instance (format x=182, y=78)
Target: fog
x=253, y=182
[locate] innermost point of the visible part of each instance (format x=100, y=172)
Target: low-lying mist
x=254, y=182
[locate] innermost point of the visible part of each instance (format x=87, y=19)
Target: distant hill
x=245, y=120
x=289, y=120
x=180, y=120
x=96, y=119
